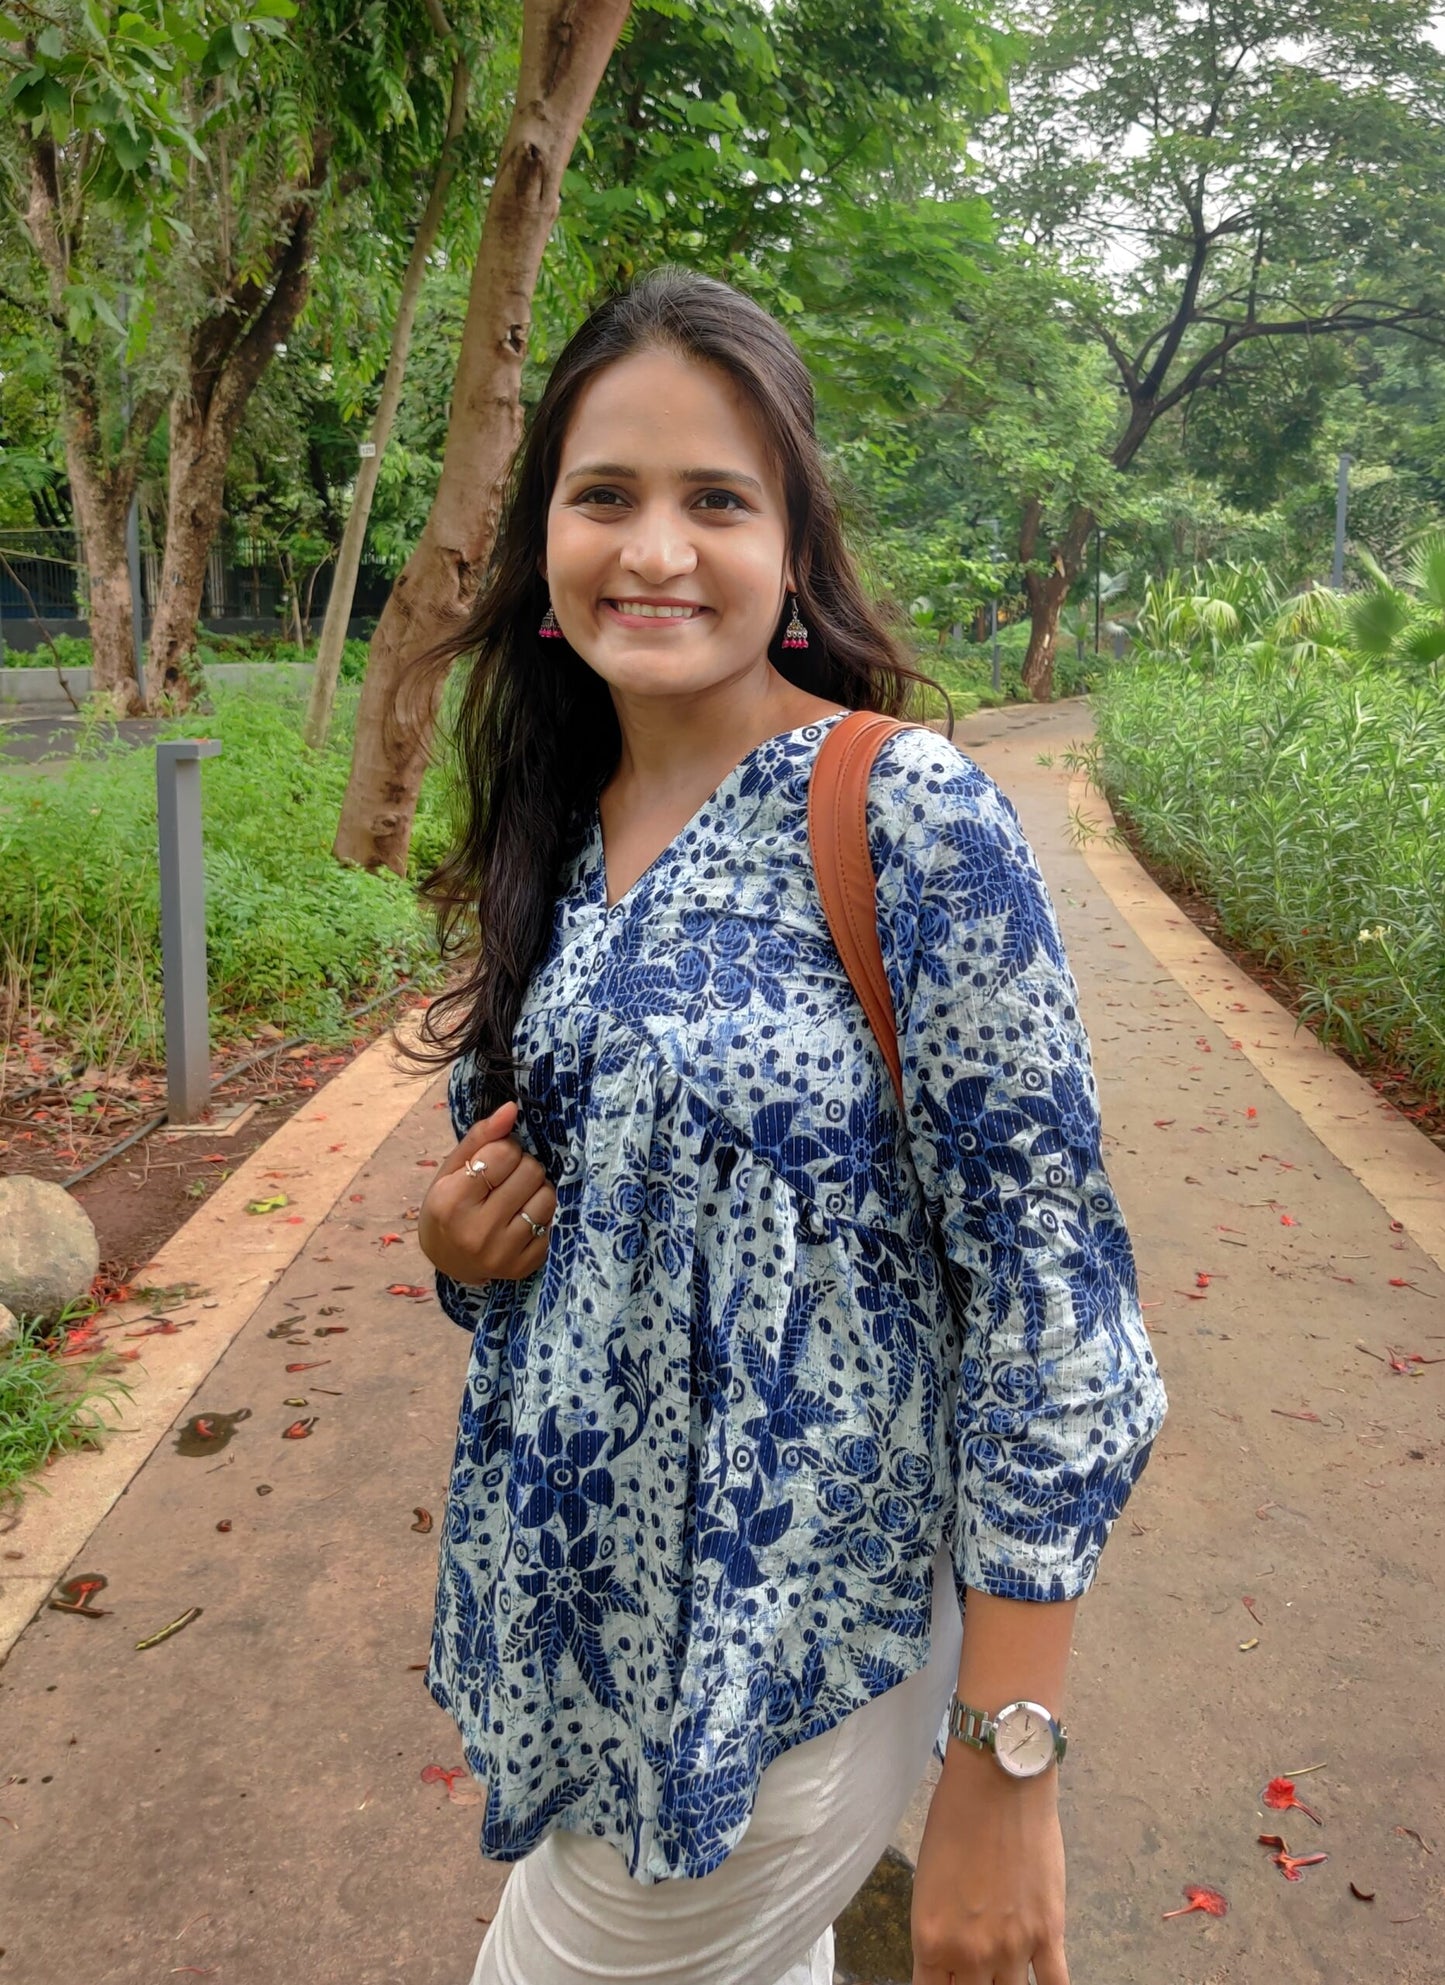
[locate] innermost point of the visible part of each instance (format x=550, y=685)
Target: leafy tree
x=180, y=159
x=105, y=106
x=563, y=55
x=1220, y=182
x=742, y=141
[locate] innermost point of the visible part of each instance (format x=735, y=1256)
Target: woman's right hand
x=471, y=1226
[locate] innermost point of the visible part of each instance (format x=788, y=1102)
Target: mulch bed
x=141, y=1195
x=1419, y=1106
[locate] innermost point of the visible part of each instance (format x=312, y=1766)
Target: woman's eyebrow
x=620, y=471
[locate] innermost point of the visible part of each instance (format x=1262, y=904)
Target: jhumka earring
x=796, y=635
x=549, y=630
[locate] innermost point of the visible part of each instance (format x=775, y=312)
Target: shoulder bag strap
x=838, y=837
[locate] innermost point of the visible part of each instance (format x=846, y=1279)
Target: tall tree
x=327, y=667
x=104, y=102
x=1219, y=181
x=728, y=135
x=177, y=157
x=565, y=49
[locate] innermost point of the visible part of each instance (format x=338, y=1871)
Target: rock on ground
x=48, y=1250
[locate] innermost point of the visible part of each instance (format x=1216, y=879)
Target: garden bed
x=1424, y=1109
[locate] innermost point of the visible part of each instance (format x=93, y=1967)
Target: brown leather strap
x=838, y=836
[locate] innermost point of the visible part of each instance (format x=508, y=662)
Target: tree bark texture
x=101, y=484
x=228, y=353
x=1048, y=589
x=348, y=561
x=566, y=45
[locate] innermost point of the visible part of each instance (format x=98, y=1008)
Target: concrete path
x=245, y=1801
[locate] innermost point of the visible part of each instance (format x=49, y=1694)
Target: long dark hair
x=536, y=733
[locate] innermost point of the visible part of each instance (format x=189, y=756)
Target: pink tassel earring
x=797, y=634
x=549, y=630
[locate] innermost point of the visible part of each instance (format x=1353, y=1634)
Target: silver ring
x=476, y=1168
x=537, y=1232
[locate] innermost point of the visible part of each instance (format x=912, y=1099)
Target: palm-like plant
x=1202, y=613
x=1403, y=624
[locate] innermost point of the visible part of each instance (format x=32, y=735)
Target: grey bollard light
x=183, y=924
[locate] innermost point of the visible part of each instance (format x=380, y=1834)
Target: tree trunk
x=348, y=561
x=101, y=486
x=101, y=510
x=566, y=45
x=1048, y=589
x=227, y=357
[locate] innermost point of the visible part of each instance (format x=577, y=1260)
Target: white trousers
x=570, y=1913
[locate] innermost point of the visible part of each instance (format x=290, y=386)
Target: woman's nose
x=659, y=546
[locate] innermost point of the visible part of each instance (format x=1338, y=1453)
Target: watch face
x=1024, y=1739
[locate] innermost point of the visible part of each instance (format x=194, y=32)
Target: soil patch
x=56, y=1122
x=1419, y=1106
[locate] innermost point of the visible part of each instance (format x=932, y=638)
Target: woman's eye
x=605, y=496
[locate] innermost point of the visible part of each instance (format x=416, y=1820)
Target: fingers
x=486, y=1130
x=1050, y=1966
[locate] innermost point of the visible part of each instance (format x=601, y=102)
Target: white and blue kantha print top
x=783, y=1342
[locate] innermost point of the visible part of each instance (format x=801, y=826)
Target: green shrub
x=1306, y=800
x=293, y=937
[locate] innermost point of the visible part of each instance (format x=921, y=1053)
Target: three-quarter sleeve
x=1059, y=1396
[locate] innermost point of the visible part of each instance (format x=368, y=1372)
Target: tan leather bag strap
x=838, y=837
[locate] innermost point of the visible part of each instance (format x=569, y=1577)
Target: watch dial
x=1025, y=1740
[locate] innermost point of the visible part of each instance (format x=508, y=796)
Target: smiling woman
x=772, y=1367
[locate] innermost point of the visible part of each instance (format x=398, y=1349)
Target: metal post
x=993, y=615
x=183, y=924
x=1342, y=504
x=137, y=598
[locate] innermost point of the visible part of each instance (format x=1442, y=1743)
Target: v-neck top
x=788, y=1336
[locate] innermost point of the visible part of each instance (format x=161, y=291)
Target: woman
x=768, y=1375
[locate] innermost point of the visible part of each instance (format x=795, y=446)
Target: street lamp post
x=1342, y=504
x=993, y=610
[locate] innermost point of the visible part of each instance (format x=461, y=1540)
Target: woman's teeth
x=655, y=613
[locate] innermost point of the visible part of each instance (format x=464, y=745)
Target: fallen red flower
x=1289, y=1864
x=1281, y=1797
x=406, y=1289
x=438, y=1774
x=1209, y=1900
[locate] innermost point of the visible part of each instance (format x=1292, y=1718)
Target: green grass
x=1307, y=802
x=47, y=1408
x=293, y=938
x=74, y=652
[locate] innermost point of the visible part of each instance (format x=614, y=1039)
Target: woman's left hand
x=988, y=1895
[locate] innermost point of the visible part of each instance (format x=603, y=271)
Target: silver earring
x=549, y=630
x=797, y=634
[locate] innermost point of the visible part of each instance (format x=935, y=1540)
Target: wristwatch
x=1023, y=1737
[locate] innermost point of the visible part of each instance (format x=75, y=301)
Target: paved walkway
x=245, y=1801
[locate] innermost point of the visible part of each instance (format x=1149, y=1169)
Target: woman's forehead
x=650, y=409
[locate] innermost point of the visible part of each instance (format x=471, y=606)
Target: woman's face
x=666, y=496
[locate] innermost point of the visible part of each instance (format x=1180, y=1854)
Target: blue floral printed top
x=782, y=1343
